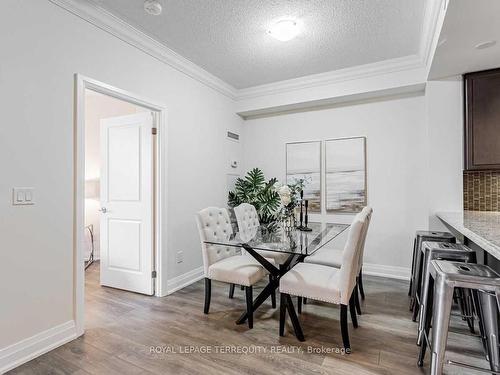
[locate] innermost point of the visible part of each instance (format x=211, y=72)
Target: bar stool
x=416, y=266
x=445, y=277
x=438, y=251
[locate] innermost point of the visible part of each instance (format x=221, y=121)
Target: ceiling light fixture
x=284, y=30
x=484, y=45
x=152, y=7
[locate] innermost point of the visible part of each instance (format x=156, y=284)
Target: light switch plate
x=22, y=196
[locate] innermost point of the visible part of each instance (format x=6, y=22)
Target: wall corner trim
x=184, y=280
x=25, y=350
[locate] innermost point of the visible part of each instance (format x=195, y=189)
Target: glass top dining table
x=295, y=243
x=274, y=237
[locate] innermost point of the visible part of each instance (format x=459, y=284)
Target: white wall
x=444, y=102
x=42, y=47
x=396, y=134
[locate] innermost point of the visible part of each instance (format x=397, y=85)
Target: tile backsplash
x=482, y=190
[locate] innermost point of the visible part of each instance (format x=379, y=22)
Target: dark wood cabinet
x=482, y=120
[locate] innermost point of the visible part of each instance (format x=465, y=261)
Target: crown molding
x=434, y=14
x=342, y=75
x=117, y=27
x=431, y=26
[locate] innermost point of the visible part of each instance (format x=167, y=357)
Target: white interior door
x=127, y=203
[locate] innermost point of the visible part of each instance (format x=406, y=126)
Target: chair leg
x=352, y=309
x=273, y=294
x=356, y=300
x=282, y=313
x=231, y=290
x=360, y=284
x=249, y=297
x=304, y=300
x=208, y=292
x=299, y=305
x=344, y=329
x=293, y=317
x=242, y=287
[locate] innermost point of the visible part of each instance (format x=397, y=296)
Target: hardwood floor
x=128, y=333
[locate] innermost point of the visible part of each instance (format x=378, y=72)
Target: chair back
x=368, y=213
x=214, y=224
x=248, y=220
x=350, y=258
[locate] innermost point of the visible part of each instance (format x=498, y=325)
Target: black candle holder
x=300, y=226
x=305, y=228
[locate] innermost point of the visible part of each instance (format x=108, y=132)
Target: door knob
x=103, y=210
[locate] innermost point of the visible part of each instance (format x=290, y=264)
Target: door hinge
x=153, y=131
x=153, y=274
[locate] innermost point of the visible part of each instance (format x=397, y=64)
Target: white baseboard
x=184, y=280
x=34, y=346
x=392, y=272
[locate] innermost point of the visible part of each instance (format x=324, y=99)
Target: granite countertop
x=480, y=227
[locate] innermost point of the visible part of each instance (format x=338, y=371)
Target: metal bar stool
x=445, y=277
x=438, y=251
x=416, y=267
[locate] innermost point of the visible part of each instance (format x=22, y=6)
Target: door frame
x=81, y=83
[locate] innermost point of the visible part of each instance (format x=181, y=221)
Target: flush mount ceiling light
x=285, y=30
x=484, y=45
x=152, y=7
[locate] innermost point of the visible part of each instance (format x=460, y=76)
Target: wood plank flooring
x=128, y=333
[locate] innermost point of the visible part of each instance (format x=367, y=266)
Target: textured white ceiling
x=228, y=37
x=455, y=53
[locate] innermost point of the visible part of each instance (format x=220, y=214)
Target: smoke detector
x=152, y=7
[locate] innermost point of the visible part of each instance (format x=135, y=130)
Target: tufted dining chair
x=324, y=283
x=248, y=220
x=333, y=257
x=223, y=263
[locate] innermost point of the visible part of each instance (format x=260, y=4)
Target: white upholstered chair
x=325, y=283
x=333, y=257
x=248, y=220
x=223, y=263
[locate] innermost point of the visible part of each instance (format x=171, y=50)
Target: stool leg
x=443, y=298
x=424, y=302
x=417, y=279
x=468, y=310
x=479, y=314
x=490, y=323
x=412, y=265
x=427, y=323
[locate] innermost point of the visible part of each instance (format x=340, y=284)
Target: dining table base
x=274, y=279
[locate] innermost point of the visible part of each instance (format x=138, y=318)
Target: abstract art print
x=303, y=161
x=345, y=164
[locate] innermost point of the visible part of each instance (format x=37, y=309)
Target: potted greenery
x=272, y=200
x=254, y=189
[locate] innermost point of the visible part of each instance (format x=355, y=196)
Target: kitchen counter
x=480, y=227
